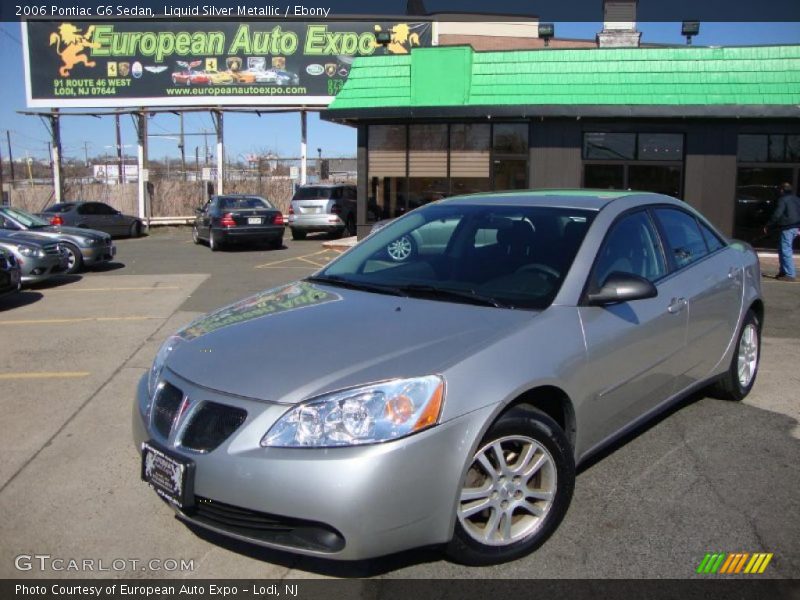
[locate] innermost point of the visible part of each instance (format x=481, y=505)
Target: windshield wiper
x=355, y=285
x=469, y=295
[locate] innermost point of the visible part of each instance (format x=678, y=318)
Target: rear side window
x=684, y=237
x=712, y=239
x=59, y=208
x=87, y=209
x=631, y=247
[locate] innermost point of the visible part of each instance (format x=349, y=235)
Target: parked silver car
x=323, y=207
x=39, y=258
x=447, y=398
x=85, y=247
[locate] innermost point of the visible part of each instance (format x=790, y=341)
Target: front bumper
x=35, y=270
x=95, y=255
x=379, y=499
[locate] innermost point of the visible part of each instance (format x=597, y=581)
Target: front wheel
x=195, y=235
x=516, y=491
x=74, y=259
x=740, y=377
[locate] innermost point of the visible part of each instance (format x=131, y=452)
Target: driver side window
x=632, y=246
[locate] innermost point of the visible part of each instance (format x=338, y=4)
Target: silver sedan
x=446, y=396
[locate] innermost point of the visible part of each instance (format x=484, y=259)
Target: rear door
x=633, y=348
x=712, y=281
x=90, y=215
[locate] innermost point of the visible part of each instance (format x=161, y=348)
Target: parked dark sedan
x=94, y=215
x=238, y=218
x=10, y=279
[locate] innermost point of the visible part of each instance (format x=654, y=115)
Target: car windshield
x=27, y=219
x=502, y=256
x=243, y=203
x=313, y=193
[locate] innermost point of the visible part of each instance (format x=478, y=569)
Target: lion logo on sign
x=70, y=44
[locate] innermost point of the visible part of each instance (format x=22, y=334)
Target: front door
x=633, y=348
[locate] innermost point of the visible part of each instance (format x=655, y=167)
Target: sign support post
x=120, y=167
x=55, y=133
x=218, y=125
x=141, y=134
x=303, y=147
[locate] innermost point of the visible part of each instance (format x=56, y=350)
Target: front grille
x=256, y=525
x=165, y=409
x=211, y=425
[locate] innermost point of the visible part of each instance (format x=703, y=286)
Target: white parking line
x=76, y=320
x=118, y=289
x=44, y=375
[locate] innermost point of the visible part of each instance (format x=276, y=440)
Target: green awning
x=756, y=81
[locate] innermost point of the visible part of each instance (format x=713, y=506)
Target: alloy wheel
x=508, y=492
x=748, y=355
x=400, y=249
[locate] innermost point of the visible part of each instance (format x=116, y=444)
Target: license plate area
x=172, y=477
x=254, y=220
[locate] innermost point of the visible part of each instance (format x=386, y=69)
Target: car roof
x=585, y=199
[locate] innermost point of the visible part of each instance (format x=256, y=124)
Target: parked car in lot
x=324, y=207
x=238, y=218
x=10, y=278
x=447, y=398
x=38, y=257
x=85, y=248
x=94, y=215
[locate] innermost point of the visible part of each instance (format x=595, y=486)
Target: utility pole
x=2, y=189
x=85, y=153
x=205, y=141
x=120, y=165
x=10, y=157
x=182, y=146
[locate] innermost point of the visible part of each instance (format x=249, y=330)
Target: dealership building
x=716, y=127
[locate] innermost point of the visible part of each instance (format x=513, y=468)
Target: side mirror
x=622, y=287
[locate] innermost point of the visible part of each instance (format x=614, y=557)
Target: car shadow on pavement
x=109, y=266
x=322, y=566
x=55, y=281
x=22, y=298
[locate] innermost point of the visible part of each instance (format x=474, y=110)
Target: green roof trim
x=458, y=76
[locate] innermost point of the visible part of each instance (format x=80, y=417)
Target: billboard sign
x=200, y=63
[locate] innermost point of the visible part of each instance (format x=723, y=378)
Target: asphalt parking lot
x=711, y=476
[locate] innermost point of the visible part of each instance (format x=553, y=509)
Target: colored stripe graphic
x=733, y=563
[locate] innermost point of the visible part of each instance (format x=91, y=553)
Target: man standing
x=786, y=218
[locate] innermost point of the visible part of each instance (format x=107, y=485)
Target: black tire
x=298, y=235
x=276, y=244
x=75, y=258
x=214, y=243
x=729, y=386
x=350, y=228
x=136, y=229
x=558, y=473
x=195, y=235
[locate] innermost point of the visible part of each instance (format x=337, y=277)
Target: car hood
x=24, y=237
x=297, y=341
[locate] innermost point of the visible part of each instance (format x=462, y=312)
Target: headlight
x=31, y=251
x=87, y=241
x=362, y=415
x=158, y=364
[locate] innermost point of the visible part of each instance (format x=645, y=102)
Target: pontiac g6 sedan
x=445, y=399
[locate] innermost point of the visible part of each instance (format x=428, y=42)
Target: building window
x=765, y=161
x=650, y=162
x=388, y=184
x=510, y=156
x=427, y=164
x=470, y=158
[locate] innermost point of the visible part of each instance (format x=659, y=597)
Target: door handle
x=676, y=305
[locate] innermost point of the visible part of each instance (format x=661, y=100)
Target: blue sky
x=281, y=133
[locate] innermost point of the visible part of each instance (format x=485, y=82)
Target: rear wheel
x=740, y=377
x=516, y=490
x=74, y=258
x=350, y=228
x=195, y=235
x=214, y=242
x=298, y=235
x=136, y=229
